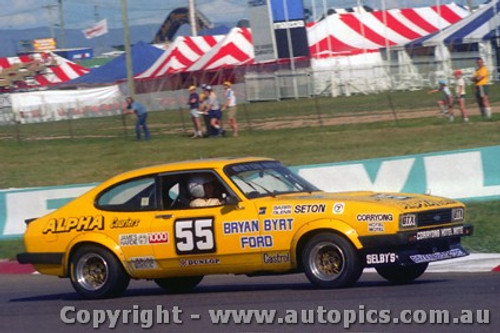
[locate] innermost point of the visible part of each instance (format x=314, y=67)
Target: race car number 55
x=194, y=236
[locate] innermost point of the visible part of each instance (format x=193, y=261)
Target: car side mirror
x=231, y=201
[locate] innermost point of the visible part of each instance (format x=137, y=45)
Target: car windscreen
x=266, y=178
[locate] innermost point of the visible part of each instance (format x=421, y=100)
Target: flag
x=98, y=29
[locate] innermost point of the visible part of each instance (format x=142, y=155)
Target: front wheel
x=97, y=273
x=402, y=274
x=177, y=285
x=331, y=261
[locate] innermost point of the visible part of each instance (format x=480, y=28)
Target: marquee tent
x=355, y=33
x=143, y=56
x=42, y=69
x=236, y=49
x=458, y=45
x=180, y=55
x=483, y=24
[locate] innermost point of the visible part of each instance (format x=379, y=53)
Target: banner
x=98, y=29
x=54, y=105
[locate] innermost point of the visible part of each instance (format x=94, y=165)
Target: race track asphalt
x=36, y=303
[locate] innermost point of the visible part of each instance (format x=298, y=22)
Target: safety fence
x=286, y=94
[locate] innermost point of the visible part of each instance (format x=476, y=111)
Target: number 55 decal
x=194, y=236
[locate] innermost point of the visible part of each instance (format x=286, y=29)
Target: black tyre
x=402, y=274
x=178, y=285
x=97, y=273
x=331, y=261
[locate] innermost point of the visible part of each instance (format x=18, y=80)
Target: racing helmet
x=442, y=82
x=195, y=186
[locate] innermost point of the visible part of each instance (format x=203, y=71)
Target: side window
x=192, y=190
x=130, y=196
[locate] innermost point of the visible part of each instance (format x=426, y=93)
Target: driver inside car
x=202, y=190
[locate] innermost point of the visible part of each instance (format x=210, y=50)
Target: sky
x=81, y=14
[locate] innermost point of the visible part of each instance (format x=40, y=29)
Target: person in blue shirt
x=142, y=115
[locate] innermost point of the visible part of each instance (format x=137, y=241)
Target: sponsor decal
x=124, y=223
x=437, y=233
x=276, y=258
x=282, y=210
x=143, y=263
x=289, y=25
x=408, y=220
x=143, y=239
x=314, y=208
x=240, y=227
x=255, y=242
x=390, y=196
x=338, y=208
x=262, y=211
x=381, y=258
x=454, y=253
x=198, y=262
x=425, y=203
x=376, y=227
x=283, y=224
x=82, y=223
x=384, y=217
x=194, y=236
x=457, y=214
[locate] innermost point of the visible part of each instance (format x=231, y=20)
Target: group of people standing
x=206, y=106
x=481, y=82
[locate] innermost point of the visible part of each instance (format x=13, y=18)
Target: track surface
x=33, y=303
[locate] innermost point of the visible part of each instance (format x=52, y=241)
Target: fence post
x=392, y=107
x=182, y=120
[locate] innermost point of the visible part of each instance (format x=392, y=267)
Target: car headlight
x=457, y=214
x=408, y=221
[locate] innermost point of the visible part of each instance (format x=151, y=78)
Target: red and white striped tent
x=57, y=69
x=355, y=33
x=181, y=54
x=236, y=49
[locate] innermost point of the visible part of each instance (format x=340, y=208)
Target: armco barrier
x=472, y=174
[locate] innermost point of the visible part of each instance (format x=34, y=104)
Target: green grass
x=45, y=155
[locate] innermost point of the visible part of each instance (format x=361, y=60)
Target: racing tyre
x=331, y=261
x=178, y=285
x=402, y=274
x=97, y=273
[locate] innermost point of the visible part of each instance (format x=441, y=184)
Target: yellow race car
x=177, y=222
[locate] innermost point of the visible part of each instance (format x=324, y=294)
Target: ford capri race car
x=177, y=222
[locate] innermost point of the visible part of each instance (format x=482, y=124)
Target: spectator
x=446, y=101
x=142, y=115
x=214, y=113
x=202, y=190
x=481, y=80
x=203, y=107
x=194, y=104
x=460, y=94
x=230, y=106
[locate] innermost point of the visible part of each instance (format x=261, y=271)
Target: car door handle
x=164, y=216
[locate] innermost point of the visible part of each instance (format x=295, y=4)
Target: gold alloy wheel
x=327, y=261
x=92, y=271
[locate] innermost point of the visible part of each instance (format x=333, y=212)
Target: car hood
x=402, y=201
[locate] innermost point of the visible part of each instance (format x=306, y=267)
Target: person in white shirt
x=460, y=93
x=446, y=101
x=202, y=189
x=230, y=106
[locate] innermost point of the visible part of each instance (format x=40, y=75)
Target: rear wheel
x=331, y=261
x=97, y=273
x=177, y=285
x=402, y=274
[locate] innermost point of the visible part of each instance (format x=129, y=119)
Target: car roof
x=210, y=163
